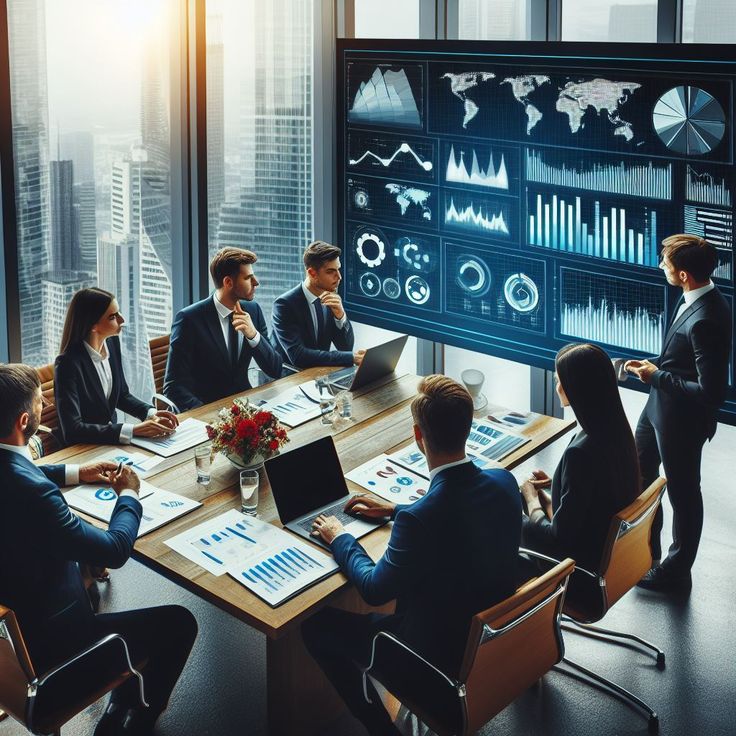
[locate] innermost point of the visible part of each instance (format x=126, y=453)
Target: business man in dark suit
x=310, y=319
x=214, y=340
x=688, y=384
x=451, y=555
x=41, y=544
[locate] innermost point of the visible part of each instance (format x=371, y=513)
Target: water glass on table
x=249, y=492
x=203, y=461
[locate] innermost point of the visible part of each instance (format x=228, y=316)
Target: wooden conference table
x=299, y=698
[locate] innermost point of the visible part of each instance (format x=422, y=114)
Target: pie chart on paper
x=689, y=120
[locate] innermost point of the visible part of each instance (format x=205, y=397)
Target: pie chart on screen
x=689, y=120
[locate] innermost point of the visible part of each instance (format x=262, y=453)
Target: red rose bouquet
x=243, y=433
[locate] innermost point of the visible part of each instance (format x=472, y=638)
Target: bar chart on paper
x=571, y=224
x=615, y=311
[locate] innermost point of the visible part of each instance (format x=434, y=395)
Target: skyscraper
x=499, y=19
x=65, y=253
x=215, y=121
x=715, y=22
x=85, y=208
x=27, y=38
x=57, y=290
x=278, y=207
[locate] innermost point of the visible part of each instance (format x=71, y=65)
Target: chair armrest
x=83, y=678
x=165, y=400
x=552, y=561
x=425, y=690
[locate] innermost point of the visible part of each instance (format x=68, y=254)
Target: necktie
x=232, y=339
x=320, y=319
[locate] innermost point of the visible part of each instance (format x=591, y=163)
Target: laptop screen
x=306, y=478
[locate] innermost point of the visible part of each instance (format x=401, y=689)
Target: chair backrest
x=16, y=670
x=511, y=645
x=628, y=554
x=159, y=348
x=49, y=418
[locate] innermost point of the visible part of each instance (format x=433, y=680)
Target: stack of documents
x=295, y=405
x=190, y=432
x=270, y=562
x=159, y=506
x=492, y=443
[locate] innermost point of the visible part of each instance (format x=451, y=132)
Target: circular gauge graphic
x=689, y=120
x=391, y=288
x=361, y=199
x=370, y=249
x=412, y=254
x=417, y=290
x=473, y=276
x=370, y=284
x=521, y=292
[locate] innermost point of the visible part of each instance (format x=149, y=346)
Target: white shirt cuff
x=129, y=492
x=151, y=412
x=254, y=342
x=126, y=434
x=341, y=322
x=71, y=475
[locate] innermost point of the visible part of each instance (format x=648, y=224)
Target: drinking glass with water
x=249, y=492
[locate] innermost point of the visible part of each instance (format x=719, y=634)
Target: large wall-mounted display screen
x=511, y=198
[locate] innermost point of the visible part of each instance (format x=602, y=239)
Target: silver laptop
x=308, y=481
x=377, y=362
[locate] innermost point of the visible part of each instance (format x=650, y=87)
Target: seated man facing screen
x=213, y=340
x=41, y=544
x=310, y=318
x=451, y=554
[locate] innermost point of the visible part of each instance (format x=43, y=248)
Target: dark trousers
x=679, y=450
x=340, y=642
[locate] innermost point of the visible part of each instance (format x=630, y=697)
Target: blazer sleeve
x=55, y=473
x=126, y=401
x=74, y=539
x=343, y=337
x=268, y=360
x=287, y=330
x=69, y=408
x=179, y=384
x=711, y=364
x=569, y=519
x=400, y=568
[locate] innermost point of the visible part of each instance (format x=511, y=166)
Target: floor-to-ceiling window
x=709, y=21
x=90, y=84
x=610, y=20
x=493, y=19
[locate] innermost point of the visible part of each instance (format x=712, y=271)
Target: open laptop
x=308, y=481
x=377, y=362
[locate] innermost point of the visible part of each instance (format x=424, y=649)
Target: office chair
x=159, y=350
x=44, y=703
x=510, y=646
x=46, y=440
x=626, y=557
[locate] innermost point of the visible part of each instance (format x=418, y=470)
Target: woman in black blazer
x=598, y=474
x=89, y=383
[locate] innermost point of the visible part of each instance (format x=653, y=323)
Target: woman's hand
x=539, y=479
x=167, y=418
x=530, y=495
x=152, y=428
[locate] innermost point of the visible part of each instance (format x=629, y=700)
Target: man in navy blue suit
x=41, y=544
x=214, y=340
x=451, y=555
x=688, y=383
x=310, y=318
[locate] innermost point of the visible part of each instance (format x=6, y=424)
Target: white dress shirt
x=224, y=313
x=311, y=299
x=690, y=297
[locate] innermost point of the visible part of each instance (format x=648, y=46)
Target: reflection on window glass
x=493, y=19
x=709, y=21
x=632, y=21
x=259, y=135
x=92, y=169
x=387, y=18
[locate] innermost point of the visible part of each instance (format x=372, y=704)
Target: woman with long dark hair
x=597, y=476
x=89, y=383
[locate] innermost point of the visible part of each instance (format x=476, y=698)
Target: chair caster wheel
x=653, y=725
x=660, y=660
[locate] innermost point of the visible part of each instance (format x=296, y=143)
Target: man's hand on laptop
x=327, y=527
x=358, y=357
x=370, y=506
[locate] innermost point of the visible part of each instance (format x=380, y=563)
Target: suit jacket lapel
x=212, y=320
x=687, y=312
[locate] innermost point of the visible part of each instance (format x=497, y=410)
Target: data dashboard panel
x=509, y=198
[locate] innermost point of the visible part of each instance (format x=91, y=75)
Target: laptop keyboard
x=337, y=510
x=342, y=377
